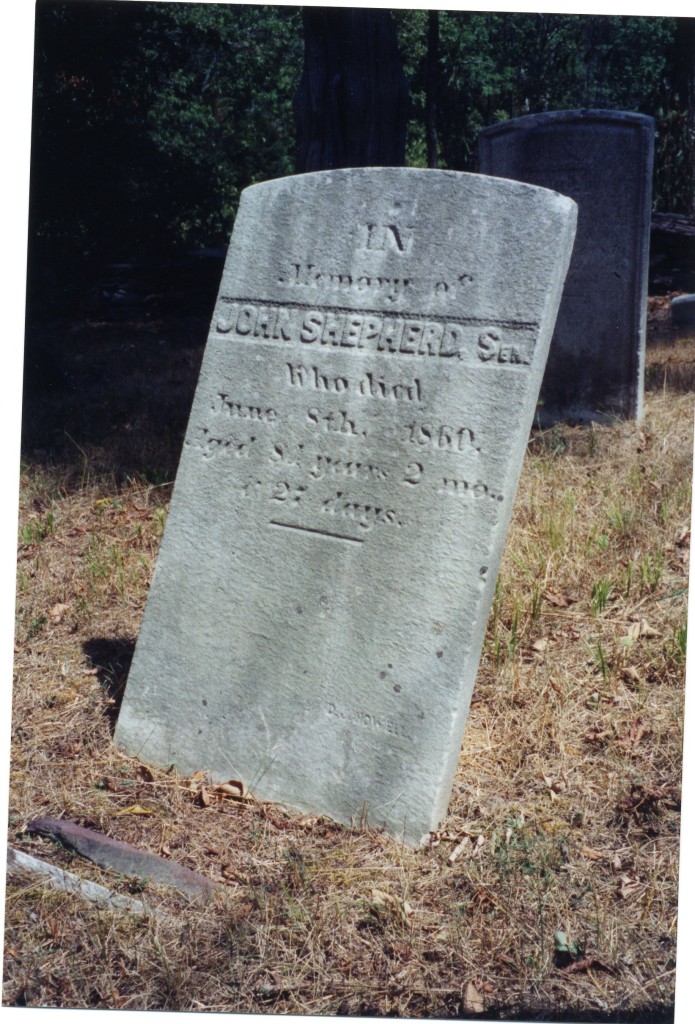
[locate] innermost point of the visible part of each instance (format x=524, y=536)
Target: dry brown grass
x=565, y=811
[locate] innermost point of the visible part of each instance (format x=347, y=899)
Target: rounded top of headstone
x=438, y=181
x=554, y=118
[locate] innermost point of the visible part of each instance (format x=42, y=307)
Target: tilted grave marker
x=603, y=160
x=318, y=607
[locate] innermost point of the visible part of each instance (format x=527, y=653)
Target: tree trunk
x=351, y=106
x=684, y=97
x=432, y=87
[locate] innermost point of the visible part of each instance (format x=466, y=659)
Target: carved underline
x=476, y=321
x=322, y=533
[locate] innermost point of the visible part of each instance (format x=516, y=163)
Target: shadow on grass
x=663, y=1015
x=111, y=657
x=104, y=399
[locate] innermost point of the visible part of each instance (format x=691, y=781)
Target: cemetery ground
x=550, y=891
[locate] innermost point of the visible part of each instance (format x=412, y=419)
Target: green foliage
x=149, y=119
x=34, y=531
x=496, y=66
x=218, y=93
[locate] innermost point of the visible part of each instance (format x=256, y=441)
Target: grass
x=564, y=818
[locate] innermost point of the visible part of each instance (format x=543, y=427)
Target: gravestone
x=318, y=608
x=683, y=311
x=603, y=160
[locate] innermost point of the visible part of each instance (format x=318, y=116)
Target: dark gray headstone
x=319, y=604
x=603, y=160
x=683, y=311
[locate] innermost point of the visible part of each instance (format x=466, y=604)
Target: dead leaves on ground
x=135, y=809
x=385, y=907
x=467, y=843
x=472, y=999
x=644, y=802
x=628, y=740
x=558, y=599
x=208, y=794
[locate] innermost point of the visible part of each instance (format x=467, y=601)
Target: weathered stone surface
x=603, y=160
x=319, y=604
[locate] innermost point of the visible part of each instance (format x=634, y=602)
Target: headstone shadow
x=111, y=657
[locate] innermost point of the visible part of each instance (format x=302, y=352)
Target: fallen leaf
x=204, y=797
x=637, y=730
x=555, y=785
x=384, y=904
x=136, y=809
x=643, y=802
x=554, y=597
x=234, y=789
x=631, y=675
x=472, y=999
x=233, y=875
x=590, y=854
x=458, y=850
x=628, y=885
x=587, y=963
x=640, y=628
x=595, y=734
x=58, y=612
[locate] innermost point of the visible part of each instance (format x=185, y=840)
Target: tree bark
x=351, y=106
x=683, y=95
x=432, y=86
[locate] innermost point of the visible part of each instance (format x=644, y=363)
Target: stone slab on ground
x=122, y=857
x=318, y=608
x=602, y=159
x=23, y=865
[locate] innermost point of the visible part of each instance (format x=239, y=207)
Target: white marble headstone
x=318, y=608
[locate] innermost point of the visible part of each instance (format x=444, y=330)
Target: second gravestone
x=603, y=160
x=318, y=608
